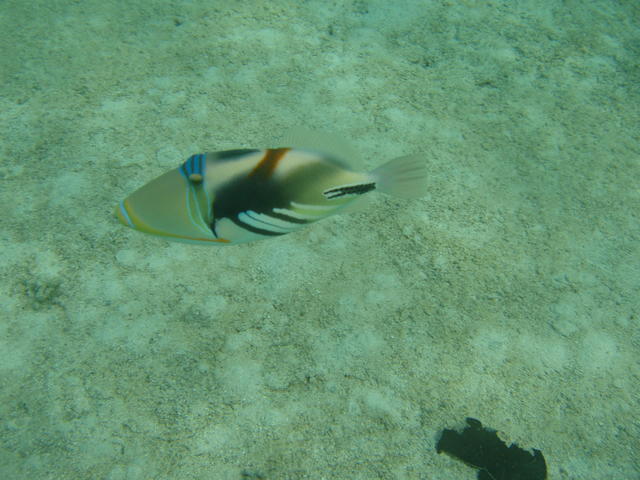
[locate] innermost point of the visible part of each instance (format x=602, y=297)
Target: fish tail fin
x=403, y=176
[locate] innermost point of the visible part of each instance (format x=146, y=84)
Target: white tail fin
x=402, y=177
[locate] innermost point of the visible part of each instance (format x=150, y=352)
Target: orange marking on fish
x=269, y=162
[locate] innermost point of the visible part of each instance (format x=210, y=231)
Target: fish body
x=238, y=196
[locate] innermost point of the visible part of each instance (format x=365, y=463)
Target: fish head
x=176, y=206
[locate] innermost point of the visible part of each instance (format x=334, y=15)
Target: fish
x=236, y=196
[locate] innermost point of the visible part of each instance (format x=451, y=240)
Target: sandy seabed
x=509, y=293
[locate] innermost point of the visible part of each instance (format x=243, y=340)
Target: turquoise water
x=509, y=293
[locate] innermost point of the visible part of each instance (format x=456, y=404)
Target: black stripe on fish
x=266, y=222
x=287, y=218
x=348, y=190
x=261, y=225
x=259, y=193
x=254, y=229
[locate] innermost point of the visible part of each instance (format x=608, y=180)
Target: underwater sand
x=510, y=293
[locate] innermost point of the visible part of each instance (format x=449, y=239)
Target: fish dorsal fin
x=326, y=143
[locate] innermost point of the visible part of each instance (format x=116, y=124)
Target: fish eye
x=193, y=168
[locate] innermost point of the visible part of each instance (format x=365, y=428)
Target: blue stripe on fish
x=193, y=168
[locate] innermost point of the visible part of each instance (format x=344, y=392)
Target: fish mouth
x=123, y=216
x=126, y=216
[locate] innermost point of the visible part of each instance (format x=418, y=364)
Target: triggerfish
x=238, y=196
